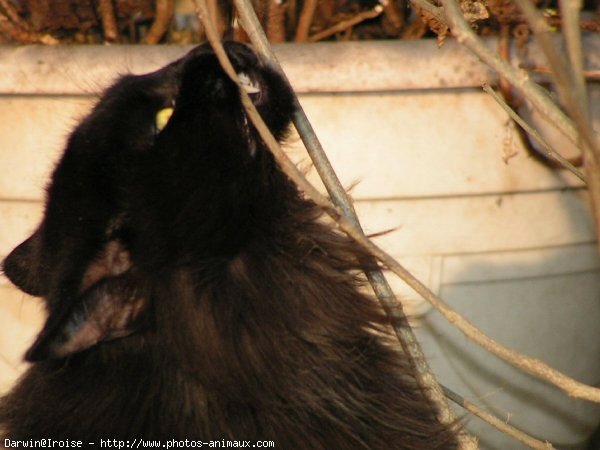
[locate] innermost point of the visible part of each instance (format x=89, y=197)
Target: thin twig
x=325, y=203
x=504, y=53
x=305, y=21
x=530, y=365
x=527, y=364
x=316, y=152
x=571, y=88
x=335, y=212
x=558, y=63
x=570, y=16
x=517, y=77
x=382, y=289
x=511, y=431
x=108, y=19
x=590, y=75
x=582, y=136
x=162, y=21
x=553, y=154
x=379, y=283
x=349, y=23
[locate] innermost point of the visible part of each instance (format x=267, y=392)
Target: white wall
x=504, y=239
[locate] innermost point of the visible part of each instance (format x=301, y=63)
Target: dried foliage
x=152, y=21
x=76, y=21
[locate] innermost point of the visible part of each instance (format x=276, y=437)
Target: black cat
x=193, y=293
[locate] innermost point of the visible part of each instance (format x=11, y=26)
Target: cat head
x=166, y=168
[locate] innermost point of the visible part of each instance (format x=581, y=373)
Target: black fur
x=192, y=292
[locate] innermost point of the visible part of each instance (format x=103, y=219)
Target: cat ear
x=108, y=310
x=22, y=266
x=108, y=306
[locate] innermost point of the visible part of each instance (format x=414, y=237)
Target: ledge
x=367, y=66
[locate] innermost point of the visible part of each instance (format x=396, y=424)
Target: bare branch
x=533, y=133
x=518, y=78
x=500, y=425
x=382, y=289
x=349, y=225
x=571, y=89
x=353, y=230
x=532, y=366
x=162, y=21
x=109, y=21
x=570, y=18
x=345, y=24
x=589, y=75
x=305, y=21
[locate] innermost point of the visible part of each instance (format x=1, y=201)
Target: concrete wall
x=504, y=239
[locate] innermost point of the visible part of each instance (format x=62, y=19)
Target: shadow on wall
x=544, y=303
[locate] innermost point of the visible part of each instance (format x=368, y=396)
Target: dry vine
x=550, y=152
x=392, y=307
x=162, y=21
x=351, y=228
x=346, y=24
x=579, y=132
x=570, y=84
x=530, y=365
x=340, y=198
x=109, y=21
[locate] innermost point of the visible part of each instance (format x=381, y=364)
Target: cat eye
x=162, y=117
